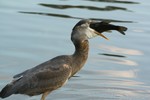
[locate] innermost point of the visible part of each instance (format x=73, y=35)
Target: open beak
x=100, y=34
x=100, y=27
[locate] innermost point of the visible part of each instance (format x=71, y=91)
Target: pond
x=34, y=31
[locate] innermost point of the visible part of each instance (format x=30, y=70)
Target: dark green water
x=34, y=31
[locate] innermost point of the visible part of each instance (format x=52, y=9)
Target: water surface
x=34, y=31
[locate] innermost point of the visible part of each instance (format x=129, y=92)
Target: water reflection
x=114, y=58
x=117, y=81
x=118, y=89
x=118, y=58
x=58, y=6
x=118, y=73
x=122, y=74
x=121, y=50
x=107, y=8
x=120, y=61
x=115, y=1
x=112, y=55
x=50, y=14
x=120, y=83
x=68, y=16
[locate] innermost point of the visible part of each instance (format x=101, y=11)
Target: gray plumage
x=47, y=76
x=54, y=73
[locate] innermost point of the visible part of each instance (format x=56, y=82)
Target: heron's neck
x=80, y=55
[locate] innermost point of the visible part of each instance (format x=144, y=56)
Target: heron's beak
x=100, y=34
x=100, y=27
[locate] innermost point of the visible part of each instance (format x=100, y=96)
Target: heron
x=54, y=73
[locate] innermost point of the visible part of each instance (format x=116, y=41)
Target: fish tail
x=122, y=29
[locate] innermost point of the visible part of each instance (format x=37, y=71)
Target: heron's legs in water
x=44, y=95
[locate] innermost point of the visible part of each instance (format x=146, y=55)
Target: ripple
x=118, y=73
x=120, y=57
x=112, y=55
x=123, y=91
x=121, y=50
x=101, y=81
x=121, y=61
x=107, y=8
x=113, y=79
x=113, y=91
x=50, y=14
x=73, y=17
x=115, y=1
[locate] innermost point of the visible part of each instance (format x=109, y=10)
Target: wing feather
x=44, y=80
x=47, y=76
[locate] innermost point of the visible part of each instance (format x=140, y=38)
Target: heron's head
x=86, y=29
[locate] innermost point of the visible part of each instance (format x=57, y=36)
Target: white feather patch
x=90, y=33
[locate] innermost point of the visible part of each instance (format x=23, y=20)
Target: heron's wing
x=39, y=81
x=55, y=63
x=44, y=80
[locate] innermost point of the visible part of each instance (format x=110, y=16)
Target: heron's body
x=54, y=73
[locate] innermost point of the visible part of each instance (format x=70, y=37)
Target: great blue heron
x=53, y=74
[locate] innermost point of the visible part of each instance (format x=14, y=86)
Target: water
x=34, y=31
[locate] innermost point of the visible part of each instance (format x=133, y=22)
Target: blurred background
x=34, y=31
